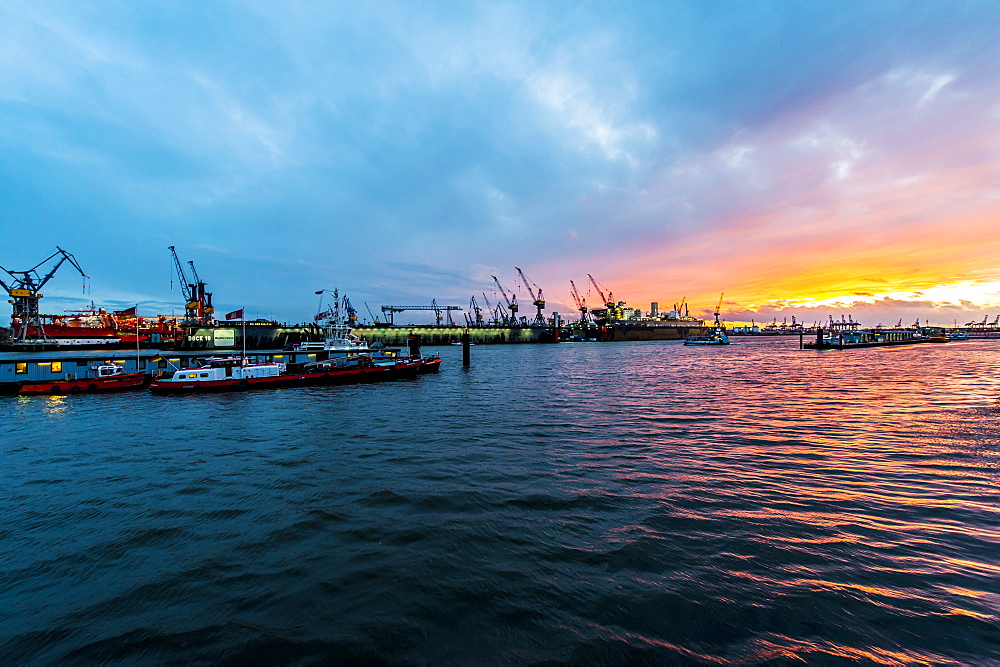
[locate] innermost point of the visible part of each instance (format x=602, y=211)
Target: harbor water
x=593, y=503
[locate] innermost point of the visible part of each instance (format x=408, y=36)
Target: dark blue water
x=595, y=503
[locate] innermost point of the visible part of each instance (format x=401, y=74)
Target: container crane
x=537, y=300
x=511, y=304
x=23, y=289
x=581, y=303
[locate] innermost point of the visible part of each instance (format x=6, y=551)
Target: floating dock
x=849, y=340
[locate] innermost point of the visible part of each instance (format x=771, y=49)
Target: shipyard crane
x=206, y=310
x=392, y=310
x=581, y=303
x=23, y=288
x=511, y=304
x=537, y=300
x=495, y=311
x=333, y=313
x=718, y=309
x=608, y=300
x=477, y=310
x=375, y=320
x=198, y=303
x=996, y=321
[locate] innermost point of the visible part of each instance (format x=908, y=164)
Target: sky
x=807, y=159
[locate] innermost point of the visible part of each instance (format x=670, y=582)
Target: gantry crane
x=511, y=304
x=581, y=303
x=537, y=300
x=198, y=308
x=434, y=306
x=24, y=294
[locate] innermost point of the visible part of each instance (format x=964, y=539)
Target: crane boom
x=24, y=295
x=538, y=301
x=197, y=302
x=581, y=303
x=511, y=303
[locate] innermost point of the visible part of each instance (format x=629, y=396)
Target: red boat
x=240, y=373
x=107, y=377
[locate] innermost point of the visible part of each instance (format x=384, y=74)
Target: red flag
x=235, y=315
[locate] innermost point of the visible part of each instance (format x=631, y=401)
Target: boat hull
x=332, y=376
x=127, y=382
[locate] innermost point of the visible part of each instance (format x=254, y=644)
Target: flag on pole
x=235, y=315
x=128, y=312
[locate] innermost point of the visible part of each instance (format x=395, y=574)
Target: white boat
x=718, y=335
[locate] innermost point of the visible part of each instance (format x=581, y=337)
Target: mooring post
x=466, y=342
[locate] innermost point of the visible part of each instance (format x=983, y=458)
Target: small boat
x=958, y=335
x=106, y=377
x=718, y=335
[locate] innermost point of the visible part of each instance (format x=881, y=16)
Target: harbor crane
x=23, y=288
x=608, y=300
x=537, y=300
x=511, y=304
x=478, y=319
x=338, y=304
x=198, y=303
x=581, y=303
x=718, y=309
x=392, y=310
x=495, y=311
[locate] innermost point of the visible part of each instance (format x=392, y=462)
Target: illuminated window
x=21, y=367
x=57, y=367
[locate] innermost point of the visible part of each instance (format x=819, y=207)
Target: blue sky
x=802, y=157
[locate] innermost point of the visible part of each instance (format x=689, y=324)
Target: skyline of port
x=805, y=160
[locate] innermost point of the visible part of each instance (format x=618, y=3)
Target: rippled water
x=598, y=503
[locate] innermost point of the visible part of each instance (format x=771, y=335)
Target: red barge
x=241, y=373
x=107, y=377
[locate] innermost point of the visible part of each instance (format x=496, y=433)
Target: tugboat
x=718, y=335
x=107, y=377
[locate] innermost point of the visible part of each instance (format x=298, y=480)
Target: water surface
x=581, y=502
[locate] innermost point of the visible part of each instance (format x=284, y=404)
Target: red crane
x=608, y=300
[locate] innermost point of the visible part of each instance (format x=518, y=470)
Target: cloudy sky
x=804, y=158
